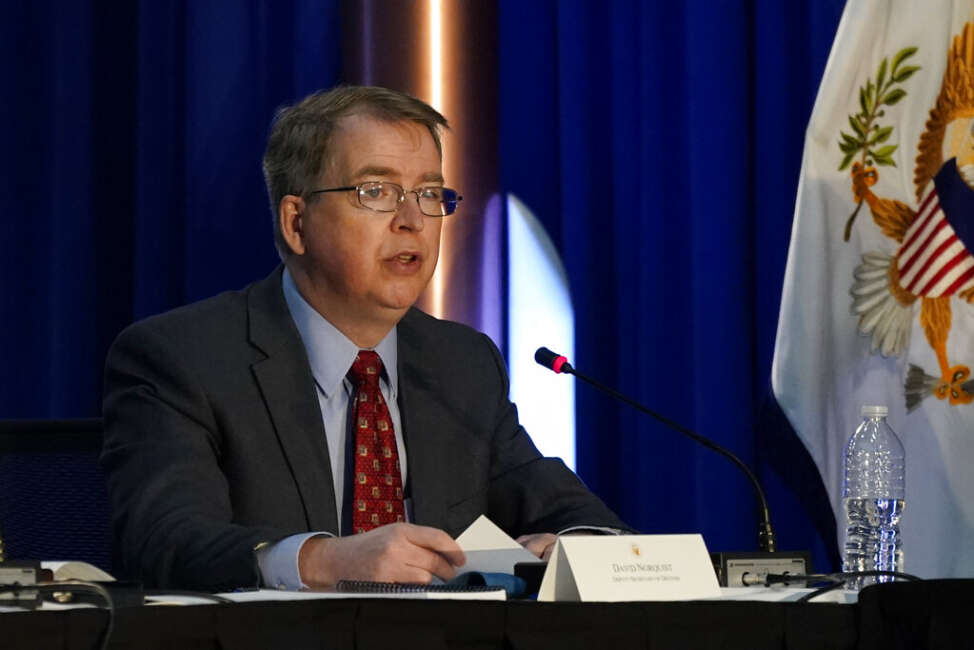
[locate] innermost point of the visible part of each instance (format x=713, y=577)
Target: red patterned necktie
x=378, y=479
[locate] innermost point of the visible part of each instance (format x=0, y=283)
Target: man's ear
x=290, y=216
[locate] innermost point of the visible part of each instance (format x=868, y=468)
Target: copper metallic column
x=445, y=53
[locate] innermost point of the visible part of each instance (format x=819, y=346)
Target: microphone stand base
x=750, y=569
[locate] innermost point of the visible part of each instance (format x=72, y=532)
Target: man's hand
x=390, y=553
x=541, y=544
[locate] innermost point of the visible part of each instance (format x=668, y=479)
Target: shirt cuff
x=278, y=562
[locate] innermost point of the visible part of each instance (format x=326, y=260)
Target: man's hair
x=297, y=148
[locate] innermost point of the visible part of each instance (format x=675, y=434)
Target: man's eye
x=373, y=191
x=434, y=193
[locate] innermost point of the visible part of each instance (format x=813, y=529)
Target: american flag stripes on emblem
x=935, y=261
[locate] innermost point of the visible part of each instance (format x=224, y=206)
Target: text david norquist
x=639, y=572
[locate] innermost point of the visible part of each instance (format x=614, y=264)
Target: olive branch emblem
x=868, y=138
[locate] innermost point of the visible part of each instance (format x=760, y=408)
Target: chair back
x=53, y=500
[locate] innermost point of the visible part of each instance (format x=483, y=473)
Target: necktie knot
x=366, y=368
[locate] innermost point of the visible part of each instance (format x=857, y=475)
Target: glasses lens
x=449, y=200
x=382, y=197
x=437, y=201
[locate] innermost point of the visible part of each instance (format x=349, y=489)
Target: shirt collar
x=330, y=352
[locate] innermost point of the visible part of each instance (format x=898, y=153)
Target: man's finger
x=432, y=564
x=547, y=552
x=413, y=574
x=538, y=543
x=437, y=541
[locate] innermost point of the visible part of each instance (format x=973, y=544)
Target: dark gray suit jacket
x=214, y=440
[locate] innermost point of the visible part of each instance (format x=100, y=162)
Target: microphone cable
x=835, y=580
x=51, y=588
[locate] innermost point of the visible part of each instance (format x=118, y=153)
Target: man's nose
x=408, y=216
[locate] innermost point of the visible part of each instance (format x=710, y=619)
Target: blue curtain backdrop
x=133, y=134
x=659, y=142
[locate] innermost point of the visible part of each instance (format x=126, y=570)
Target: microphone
x=559, y=364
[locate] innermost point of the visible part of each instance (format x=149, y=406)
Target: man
x=314, y=426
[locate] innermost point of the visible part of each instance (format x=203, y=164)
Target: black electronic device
x=16, y=580
x=752, y=569
x=532, y=573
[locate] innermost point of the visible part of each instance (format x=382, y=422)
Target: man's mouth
x=405, y=262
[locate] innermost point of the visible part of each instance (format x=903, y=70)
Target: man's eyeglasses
x=381, y=196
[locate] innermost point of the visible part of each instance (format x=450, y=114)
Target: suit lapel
x=425, y=429
x=287, y=386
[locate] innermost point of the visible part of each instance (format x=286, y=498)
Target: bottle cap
x=873, y=411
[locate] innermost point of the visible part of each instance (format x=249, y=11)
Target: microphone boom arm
x=557, y=363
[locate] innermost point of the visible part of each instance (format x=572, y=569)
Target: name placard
x=629, y=567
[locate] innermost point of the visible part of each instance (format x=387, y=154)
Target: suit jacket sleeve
x=528, y=492
x=163, y=451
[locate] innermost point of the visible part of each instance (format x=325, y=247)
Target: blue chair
x=53, y=501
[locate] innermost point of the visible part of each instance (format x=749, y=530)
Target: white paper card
x=489, y=549
x=485, y=535
x=628, y=568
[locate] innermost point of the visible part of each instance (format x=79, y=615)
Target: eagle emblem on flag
x=931, y=262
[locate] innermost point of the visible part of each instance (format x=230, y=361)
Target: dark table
x=932, y=614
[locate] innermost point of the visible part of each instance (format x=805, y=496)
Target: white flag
x=878, y=298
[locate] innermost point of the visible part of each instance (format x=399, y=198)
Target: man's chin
x=393, y=306
x=400, y=296
x=397, y=307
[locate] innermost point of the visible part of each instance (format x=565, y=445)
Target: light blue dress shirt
x=330, y=354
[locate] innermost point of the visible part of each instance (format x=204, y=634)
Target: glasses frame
x=402, y=196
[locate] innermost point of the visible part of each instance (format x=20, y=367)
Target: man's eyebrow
x=372, y=170
x=380, y=172
x=432, y=177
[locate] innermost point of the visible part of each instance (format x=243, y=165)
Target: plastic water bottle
x=873, y=492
